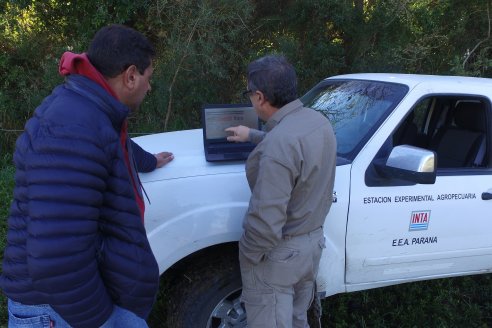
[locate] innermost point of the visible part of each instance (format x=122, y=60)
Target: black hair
x=275, y=77
x=116, y=47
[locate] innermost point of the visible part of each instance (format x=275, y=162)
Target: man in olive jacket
x=77, y=253
x=291, y=173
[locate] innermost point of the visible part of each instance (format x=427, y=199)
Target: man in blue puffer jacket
x=77, y=254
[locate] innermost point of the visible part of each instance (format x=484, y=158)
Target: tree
x=201, y=55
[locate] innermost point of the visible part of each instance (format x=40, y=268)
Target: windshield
x=355, y=109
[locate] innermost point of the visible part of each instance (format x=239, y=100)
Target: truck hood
x=189, y=157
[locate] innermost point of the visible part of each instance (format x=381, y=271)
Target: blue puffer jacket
x=76, y=240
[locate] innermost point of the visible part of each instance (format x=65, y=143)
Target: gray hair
x=275, y=77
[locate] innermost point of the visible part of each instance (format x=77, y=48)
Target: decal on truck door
x=418, y=198
x=414, y=241
x=419, y=220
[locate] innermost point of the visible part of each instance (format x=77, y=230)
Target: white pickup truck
x=413, y=195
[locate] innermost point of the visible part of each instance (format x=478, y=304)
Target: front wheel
x=208, y=295
x=229, y=312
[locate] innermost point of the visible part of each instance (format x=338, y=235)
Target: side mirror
x=411, y=164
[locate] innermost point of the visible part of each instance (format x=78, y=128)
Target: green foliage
x=203, y=48
x=200, y=46
x=27, y=71
x=6, y=187
x=33, y=35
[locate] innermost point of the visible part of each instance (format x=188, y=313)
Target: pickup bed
x=412, y=201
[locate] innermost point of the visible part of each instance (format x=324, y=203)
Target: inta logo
x=419, y=220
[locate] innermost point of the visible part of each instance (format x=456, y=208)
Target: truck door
x=399, y=231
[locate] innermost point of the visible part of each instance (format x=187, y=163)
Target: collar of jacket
x=282, y=112
x=115, y=110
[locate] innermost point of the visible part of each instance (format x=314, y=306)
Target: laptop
x=215, y=119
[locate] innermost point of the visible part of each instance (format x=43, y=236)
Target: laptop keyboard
x=229, y=148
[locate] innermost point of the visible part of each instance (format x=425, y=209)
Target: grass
x=460, y=302
x=455, y=302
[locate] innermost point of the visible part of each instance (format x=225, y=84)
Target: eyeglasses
x=247, y=93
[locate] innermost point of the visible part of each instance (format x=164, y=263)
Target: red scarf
x=71, y=63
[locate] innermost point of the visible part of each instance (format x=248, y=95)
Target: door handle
x=486, y=196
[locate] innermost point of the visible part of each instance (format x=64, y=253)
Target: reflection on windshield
x=354, y=108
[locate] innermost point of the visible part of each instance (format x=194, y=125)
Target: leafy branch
x=178, y=68
x=469, y=53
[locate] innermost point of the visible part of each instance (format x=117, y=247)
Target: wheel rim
x=229, y=312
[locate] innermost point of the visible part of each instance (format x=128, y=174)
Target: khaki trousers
x=279, y=290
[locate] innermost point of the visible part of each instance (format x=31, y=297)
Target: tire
x=207, y=294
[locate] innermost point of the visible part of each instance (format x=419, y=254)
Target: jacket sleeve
x=146, y=162
x=256, y=136
x=66, y=174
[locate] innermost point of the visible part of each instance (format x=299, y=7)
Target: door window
x=455, y=128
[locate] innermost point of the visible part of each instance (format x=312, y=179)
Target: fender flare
x=194, y=230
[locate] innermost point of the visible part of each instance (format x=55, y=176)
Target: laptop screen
x=217, y=119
